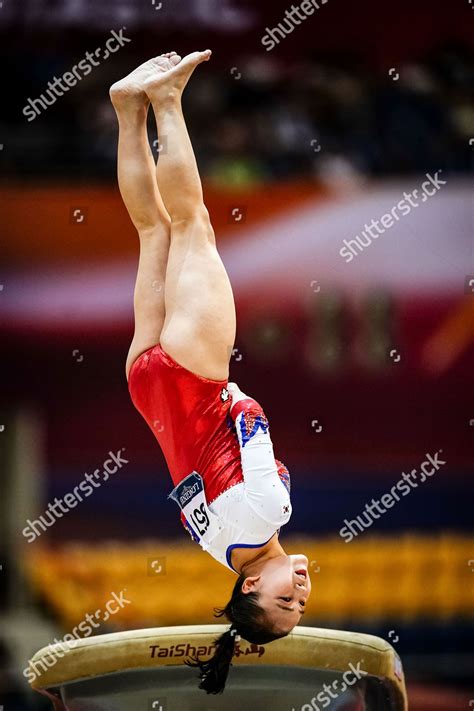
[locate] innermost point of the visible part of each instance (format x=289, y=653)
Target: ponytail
x=248, y=620
x=213, y=673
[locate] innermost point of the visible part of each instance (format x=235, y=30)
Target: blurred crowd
x=322, y=118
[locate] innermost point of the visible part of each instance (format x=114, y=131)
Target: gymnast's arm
x=264, y=490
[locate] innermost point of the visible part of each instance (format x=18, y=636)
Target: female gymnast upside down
x=233, y=493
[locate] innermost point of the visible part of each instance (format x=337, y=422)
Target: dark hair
x=247, y=620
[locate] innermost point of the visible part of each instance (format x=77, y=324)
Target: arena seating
x=408, y=578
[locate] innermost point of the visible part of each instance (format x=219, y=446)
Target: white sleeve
x=264, y=491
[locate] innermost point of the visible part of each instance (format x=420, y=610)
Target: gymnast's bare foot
x=167, y=84
x=128, y=94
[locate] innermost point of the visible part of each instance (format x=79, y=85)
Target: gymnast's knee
x=192, y=223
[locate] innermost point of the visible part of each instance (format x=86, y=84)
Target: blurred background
x=363, y=367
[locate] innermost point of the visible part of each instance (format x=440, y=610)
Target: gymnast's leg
x=140, y=193
x=200, y=323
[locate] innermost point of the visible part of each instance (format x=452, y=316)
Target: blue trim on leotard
x=243, y=545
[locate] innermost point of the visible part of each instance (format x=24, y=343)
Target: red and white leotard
x=225, y=439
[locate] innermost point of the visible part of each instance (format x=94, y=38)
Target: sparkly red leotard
x=189, y=416
x=225, y=445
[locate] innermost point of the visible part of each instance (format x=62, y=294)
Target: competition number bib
x=190, y=496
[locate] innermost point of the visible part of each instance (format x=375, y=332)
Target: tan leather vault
x=144, y=669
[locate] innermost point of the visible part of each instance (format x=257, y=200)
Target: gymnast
x=232, y=492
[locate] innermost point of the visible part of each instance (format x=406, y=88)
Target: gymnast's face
x=284, y=586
